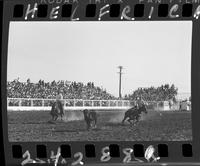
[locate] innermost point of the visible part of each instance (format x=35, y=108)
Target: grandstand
x=49, y=90
x=41, y=95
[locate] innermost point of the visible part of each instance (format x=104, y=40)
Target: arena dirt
x=155, y=126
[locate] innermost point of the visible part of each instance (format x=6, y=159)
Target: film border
x=174, y=148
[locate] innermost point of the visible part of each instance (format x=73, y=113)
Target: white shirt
x=59, y=97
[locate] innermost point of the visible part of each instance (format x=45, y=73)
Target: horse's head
x=133, y=108
x=143, y=109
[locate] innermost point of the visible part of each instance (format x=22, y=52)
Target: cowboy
x=59, y=96
x=134, y=103
x=139, y=102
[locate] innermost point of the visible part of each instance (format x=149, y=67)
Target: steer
x=90, y=117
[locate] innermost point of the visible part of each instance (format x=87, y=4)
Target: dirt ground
x=154, y=126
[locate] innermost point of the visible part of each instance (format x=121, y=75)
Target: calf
x=90, y=117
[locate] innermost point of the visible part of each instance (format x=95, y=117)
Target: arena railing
x=75, y=104
x=34, y=102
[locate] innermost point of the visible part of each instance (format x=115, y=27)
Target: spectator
x=49, y=90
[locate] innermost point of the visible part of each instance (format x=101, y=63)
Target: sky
x=152, y=53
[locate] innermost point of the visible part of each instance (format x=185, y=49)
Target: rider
x=59, y=100
x=139, y=102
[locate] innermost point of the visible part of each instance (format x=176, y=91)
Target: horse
x=56, y=110
x=134, y=113
x=90, y=117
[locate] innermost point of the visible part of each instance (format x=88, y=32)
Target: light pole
x=120, y=80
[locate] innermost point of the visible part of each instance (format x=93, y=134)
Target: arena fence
x=26, y=104
x=69, y=104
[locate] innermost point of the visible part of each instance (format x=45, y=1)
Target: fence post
x=123, y=104
x=20, y=102
x=74, y=103
x=31, y=103
x=42, y=102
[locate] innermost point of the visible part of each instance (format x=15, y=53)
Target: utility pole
x=120, y=80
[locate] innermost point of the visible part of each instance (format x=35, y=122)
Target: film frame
x=174, y=153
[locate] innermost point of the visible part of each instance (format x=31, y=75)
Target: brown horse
x=133, y=114
x=90, y=117
x=57, y=110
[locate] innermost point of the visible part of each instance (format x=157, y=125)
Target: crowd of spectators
x=161, y=93
x=78, y=90
x=49, y=90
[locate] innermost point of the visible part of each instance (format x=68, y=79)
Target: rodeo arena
x=73, y=111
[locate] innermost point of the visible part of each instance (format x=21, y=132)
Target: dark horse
x=90, y=117
x=133, y=114
x=56, y=110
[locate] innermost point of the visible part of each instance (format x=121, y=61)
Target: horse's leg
x=124, y=119
x=92, y=124
x=62, y=116
x=88, y=126
x=56, y=117
x=129, y=120
x=132, y=122
x=95, y=122
x=62, y=110
x=52, y=117
x=136, y=120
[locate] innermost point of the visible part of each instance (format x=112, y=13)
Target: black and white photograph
x=99, y=81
